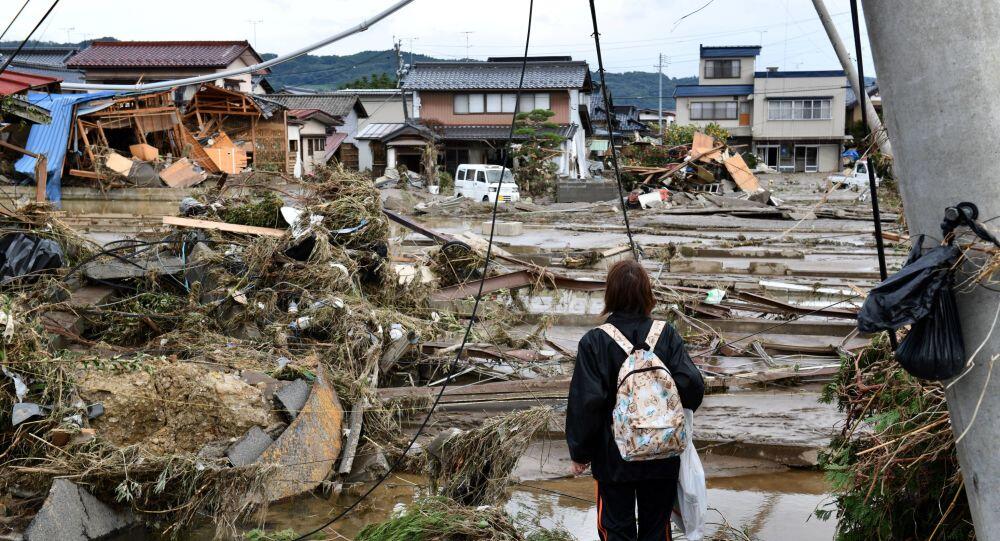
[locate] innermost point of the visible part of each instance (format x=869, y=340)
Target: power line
x=10, y=58
x=16, y=15
x=475, y=306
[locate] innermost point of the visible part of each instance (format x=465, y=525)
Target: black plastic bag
x=933, y=349
x=22, y=254
x=921, y=295
x=908, y=296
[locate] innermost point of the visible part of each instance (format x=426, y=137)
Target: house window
x=314, y=145
x=722, y=69
x=812, y=109
x=477, y=103
x=713, y=110
x=465, y=104
x=293, y=145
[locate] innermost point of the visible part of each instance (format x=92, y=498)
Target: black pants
x=616, y=510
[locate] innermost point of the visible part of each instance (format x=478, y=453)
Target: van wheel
x=486, y=199
x=459, y=194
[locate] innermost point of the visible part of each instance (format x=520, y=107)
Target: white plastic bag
x=691, y=505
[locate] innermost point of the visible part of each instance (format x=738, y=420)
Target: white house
x=793, y=120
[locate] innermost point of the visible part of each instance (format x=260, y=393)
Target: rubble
x=72, y=513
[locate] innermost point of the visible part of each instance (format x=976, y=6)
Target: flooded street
x=770, y=506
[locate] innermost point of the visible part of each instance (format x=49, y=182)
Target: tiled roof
x=707, y=91
x=496, y=75
x=797, y=74
x=333, y=104
x=12, y=82
x=43, y=56
x=735, y=51
x=160, y=54
x=495, y=132
x=66, y=75
x=318, y=115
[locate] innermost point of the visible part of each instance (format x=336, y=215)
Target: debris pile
x=707, y=166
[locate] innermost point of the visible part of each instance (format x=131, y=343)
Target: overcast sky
x=633, y=32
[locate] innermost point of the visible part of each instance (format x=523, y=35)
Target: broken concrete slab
x=120, y=270
x=249, y=448
x=72, y=513
x=503, y=229
x=293, y=396
x=262, y=381
x=695, y=266
x=307, y=450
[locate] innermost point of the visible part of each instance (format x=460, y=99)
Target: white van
x=482, y=182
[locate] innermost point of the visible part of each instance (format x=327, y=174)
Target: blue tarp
x=51, y=139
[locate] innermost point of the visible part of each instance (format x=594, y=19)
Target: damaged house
x=627, y=124
x=323, y=126
x=130, y=62
x=793, y=120
x=466, y=109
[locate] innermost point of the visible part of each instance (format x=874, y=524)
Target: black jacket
x=592, y=398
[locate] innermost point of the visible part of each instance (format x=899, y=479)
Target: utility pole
x=874, y=122
x=397, y=45
x=944, y=122
x=68, y=30
x=659, y=111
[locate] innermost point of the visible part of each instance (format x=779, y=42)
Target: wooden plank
x=223, y=226
x=181, y=174
x=741, y=174
x=41, y=177
x=198, y=153
x=84, y=174
x=703, y=146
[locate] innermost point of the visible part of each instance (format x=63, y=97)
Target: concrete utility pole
x=937, y=72
x=874, y=123
x=659, y=111
x=397, y=45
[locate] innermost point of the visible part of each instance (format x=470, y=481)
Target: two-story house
x=129, y=62
x=792, y=120
x=323, y=126
x=469, y=106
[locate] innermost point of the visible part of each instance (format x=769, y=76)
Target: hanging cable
x=17, y=51
x=506, y=158
x=872, y=186
x=610, y=114
x=16, y=15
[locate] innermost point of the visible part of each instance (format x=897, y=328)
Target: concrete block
x=249, y=448
x=71, y=513
x=695, y=266
x=768, y=268
x=503, y=229
x=293, y=396
x=586, y=191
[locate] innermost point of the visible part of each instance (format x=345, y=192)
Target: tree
x=683, y=134
x=380, y=80
x=535, y=167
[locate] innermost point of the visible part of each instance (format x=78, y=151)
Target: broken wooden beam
x=223, y=226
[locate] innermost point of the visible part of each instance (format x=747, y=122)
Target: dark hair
x=628, y=289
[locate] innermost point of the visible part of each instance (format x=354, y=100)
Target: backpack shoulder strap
x=654, y=334
x=618, y=337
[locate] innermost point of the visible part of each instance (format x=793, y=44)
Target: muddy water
x=775, y=506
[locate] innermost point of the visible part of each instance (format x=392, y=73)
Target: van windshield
x=494, y=175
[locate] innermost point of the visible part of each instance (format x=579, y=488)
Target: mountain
x=329, y=72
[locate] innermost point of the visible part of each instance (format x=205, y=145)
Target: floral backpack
x=648, y=419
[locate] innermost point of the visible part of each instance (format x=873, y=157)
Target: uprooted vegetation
x=144, y=363
x=894, y=468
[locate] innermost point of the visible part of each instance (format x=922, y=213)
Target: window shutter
x=461, y=104
x=476, y=104
x=527, y=103
x=493, y=103
x=509, y=101
x=542, y=101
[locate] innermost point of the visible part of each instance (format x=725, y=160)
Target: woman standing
x=621, y=484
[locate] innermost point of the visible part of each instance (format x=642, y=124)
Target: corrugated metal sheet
x=12, y=82
x=376, y=130
x=333, y=142
x=707, y=91
x=51, y=139
x=65, y=75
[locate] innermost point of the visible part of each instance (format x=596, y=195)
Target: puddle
x=772, y=506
